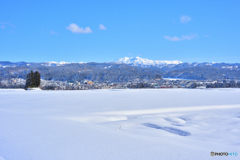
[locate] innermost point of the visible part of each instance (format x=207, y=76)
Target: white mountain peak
x=51, y=63
x=138, y=61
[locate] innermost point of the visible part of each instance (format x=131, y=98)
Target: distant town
x=155, y=84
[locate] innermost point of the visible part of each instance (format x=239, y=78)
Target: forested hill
x=120, y=72
x=101, y=72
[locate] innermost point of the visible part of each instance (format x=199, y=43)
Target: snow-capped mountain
x=132, y=61
x=144, y=62
x=52, y=63
x=5, y=64
x=125, y=66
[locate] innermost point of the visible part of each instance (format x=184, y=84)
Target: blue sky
x=101, y=31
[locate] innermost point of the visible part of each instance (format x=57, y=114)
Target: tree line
x=33, y=80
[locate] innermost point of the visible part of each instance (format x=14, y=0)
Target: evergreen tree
x=33, y=80
x=28, y=81
x=37, y=78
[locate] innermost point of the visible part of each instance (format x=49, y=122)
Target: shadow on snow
x=168, y=129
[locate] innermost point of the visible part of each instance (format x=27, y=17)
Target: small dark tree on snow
x=33, y=84
x=37, y=78
x=28, y=81
x=33, y=80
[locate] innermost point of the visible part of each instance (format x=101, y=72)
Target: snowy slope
x=52, y=63
x=5, y=64
x=143, y=62
x=119, y=124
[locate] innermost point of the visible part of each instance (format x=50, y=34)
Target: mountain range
x=144, y=62
x=118, y=68
x=133, y=61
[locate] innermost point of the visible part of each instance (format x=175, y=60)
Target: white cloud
x=102, y=27
x=172, y=38
x=76, y=29
x=185, y=19
x=52, y=32
x=4, y=24
x=182, y=38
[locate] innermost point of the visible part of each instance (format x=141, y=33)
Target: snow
x=119, y=124
x=175, y=79
x=53, y=63
x=34, y=89
x=107, y=67
x=136, y=61
x=230, y=67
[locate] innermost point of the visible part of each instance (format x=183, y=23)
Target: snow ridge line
x=166, y=110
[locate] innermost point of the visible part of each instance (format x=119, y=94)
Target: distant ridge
x=144, y=62
x=4, y=64
x=122, y=70
x=133, y=61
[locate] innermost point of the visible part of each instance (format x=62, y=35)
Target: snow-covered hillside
x=129, y=124
x=71, y=71
x=143, y=62
x=5, y=64
x=134, y=61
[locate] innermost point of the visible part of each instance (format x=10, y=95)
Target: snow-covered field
x=169, y=124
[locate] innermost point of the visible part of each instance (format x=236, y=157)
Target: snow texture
x=126, y=124
x=138, y=61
